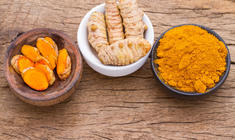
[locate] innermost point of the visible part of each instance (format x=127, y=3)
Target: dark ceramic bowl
x=156, y=72
x=61, y=89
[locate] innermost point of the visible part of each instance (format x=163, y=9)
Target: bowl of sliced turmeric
x=115, y=38
x=43, y=67
x=190, y=59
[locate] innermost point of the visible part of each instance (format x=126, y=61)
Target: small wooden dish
x=60, y=90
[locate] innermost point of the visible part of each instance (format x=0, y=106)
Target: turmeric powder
x=191, y=59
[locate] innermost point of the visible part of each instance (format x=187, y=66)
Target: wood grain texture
x=133, y=107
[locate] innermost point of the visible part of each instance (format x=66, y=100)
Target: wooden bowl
x=60, y=90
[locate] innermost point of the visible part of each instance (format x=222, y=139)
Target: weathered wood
x=132, y=107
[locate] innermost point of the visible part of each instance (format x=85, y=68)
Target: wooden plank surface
x=132, y=107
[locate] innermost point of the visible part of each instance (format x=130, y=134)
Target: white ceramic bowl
x=90, y=55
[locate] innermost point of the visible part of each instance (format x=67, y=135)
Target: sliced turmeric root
x=44, y=61
x=52, y=60
x=47, y=71
x=47, y=50
x=31, y=52
x=52, y=42
x=35, y=78
x=63, y=64
x=14, y=62
x=20, y=62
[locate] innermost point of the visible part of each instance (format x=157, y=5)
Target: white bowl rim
x=110, y=67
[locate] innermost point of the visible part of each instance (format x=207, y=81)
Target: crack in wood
x=133, y=131
x=158, y=12
x=25, y=136
x=208, y=133
x=113, y=106
x=128, y=123
x=107, y=138
x=175, y=122
x=10, y=135
x=192, y=9
x=51, y=128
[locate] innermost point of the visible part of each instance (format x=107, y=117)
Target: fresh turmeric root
x=97, y=35
x=20, y=62
x=48, y=50
x=113, y=21
x=47, y=71
x=132, y=18
x=63, y=64
x=31, y=52
x=35, y=78
x=124, y=52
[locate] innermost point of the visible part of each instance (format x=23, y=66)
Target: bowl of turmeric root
x=190, y=59
x=43, y=67
x=115, y=38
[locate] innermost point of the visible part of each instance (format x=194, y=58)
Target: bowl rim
x=53, y=95
x=110, y=67
x=222, y=79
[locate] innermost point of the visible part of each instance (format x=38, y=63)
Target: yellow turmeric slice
x=20, y=62
x=132, y=18
x=31, y=52
x=124, y=52
x=45, y=47
x=35, y=79
x=47, y=71
x=63, y=64
x=97, y=35
x=47, y=50
x=44, y=61
x=113, y=21
x=52, y=60
x=14, y=62
x=52, y=42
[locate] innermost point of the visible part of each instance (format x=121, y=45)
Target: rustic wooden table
x=132, y=107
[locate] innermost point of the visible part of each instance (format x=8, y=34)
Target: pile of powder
x=191, y=59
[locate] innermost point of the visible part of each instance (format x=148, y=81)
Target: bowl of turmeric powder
x=190, y=59
x=43, y=67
